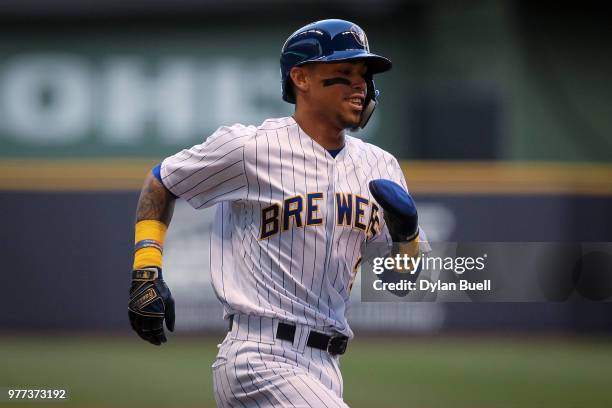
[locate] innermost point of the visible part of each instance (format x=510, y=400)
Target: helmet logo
x=360, y=36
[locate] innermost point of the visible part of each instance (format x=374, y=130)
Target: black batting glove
x=150, y=303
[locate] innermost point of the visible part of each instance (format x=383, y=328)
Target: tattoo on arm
x=155, y=202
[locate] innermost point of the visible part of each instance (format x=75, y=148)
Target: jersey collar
x=318, y=148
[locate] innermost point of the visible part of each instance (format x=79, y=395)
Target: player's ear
x=300, y=78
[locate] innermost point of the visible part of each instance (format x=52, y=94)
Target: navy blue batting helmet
x=331, y=41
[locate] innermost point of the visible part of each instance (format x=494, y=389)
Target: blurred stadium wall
x=499, y=110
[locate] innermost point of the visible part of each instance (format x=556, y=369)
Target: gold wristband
x=148, y=243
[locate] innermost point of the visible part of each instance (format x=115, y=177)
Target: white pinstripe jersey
x=290, y=218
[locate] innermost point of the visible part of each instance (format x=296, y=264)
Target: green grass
x=423, y=372
x=479, y=373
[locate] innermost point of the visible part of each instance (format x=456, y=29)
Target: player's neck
x=322, y=132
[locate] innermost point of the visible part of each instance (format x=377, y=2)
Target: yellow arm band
x=149, y=243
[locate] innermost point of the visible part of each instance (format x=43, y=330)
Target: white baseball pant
x=255, y=369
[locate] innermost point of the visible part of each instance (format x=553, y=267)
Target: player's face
x=338, y=91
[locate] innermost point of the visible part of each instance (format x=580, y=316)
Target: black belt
x=332, y=344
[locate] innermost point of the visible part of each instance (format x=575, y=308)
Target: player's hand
x=150, y=303
x=399, y=209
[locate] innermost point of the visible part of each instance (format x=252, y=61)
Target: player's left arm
x=400, y=222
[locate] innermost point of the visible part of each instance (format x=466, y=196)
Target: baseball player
x=295, y=200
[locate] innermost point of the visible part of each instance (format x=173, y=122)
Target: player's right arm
x=203, y=175
x=156, y=202
x=150, y=299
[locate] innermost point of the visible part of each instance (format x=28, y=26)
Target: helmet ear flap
x=369, y=103
x=287, y=90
